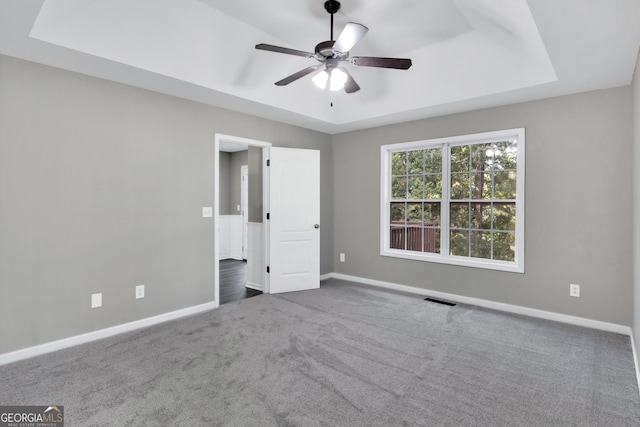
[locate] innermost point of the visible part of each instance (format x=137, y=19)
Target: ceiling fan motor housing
x=325, y=48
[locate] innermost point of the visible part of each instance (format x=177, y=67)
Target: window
x=457, y=200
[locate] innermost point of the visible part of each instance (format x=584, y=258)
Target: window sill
x=511, y=267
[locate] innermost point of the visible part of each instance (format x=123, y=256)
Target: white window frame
x=386, y=153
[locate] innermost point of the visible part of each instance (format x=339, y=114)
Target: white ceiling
x=466, y=54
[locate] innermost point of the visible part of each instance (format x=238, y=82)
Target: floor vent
x=451, y=304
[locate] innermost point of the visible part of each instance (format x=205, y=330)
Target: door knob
x=316, y=226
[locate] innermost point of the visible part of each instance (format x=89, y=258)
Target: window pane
x=433, y=160
x=504, y=216
x=432, y=214
x=481, y=157
x=431, y=238
x=433, y=186
x=416, y=162
x=397, y=237
x=416, y=187
x=460, y=185
x=505, y=185
x=481, y=185
x=481, y=216
x=505, y=155
x=504, y=246
x=414, y=239
x=459, y=213
x=398, y=187
x=414, y=214
x=398, y=213
x=399, y=163
x=459, y=244
x=460, y=159
x=480, y=244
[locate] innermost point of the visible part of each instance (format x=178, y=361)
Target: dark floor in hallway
x=233, y=276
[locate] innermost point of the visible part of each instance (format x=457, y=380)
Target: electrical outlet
x=139, y=291
x=574, y=290
x=342, y=257
x=207, y=212
x=96, y=300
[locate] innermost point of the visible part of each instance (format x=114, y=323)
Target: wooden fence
x=411, y=236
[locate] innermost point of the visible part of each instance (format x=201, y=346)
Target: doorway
x=240, y=199
x=283, y=237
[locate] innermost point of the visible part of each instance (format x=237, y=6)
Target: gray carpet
x=343, y=355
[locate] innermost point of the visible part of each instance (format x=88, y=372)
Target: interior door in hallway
x=294, y=224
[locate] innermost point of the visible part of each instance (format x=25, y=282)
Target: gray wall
x=578, y=221
x=238, y=159
x=255, y=185
x=225, y=184
x=636, y=204
x=230, y=181
x=101, y=189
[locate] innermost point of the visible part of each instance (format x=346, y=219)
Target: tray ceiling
x=467, y=54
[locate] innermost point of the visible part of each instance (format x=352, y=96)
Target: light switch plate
x=207, y=212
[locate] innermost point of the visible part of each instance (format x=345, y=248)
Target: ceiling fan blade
x=370, y=61
x=295, y=76
x=272, y=48
x=351, y=35
x=350, y=85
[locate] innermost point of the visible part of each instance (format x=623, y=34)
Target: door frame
x=216, y=207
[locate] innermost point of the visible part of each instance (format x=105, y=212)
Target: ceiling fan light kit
x=329, y=73
x=336, y=78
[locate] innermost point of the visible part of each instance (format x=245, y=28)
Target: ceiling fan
x=331, y=54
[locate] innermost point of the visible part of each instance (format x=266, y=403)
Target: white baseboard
x=635, y=359
x=102, y=333
x=326, y=276
x=548, y=315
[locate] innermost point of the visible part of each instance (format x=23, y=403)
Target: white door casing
x=294, y=222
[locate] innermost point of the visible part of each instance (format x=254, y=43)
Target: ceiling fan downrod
x=332, y=6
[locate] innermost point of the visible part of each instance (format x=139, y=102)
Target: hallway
x=233, y=275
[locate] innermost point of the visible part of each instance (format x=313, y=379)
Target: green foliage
x=398, y=213
x=398, y=188
x=399, y=163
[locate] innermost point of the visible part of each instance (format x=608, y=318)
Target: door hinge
x=268, y=215
x=267, y=269
x=268, y=162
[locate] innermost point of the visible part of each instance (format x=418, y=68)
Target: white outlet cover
x=207, y=212
x=574, y=290
x=96, y=300
x=342, y=257
x=139, y=291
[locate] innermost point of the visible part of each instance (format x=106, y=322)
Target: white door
x=294, y=249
